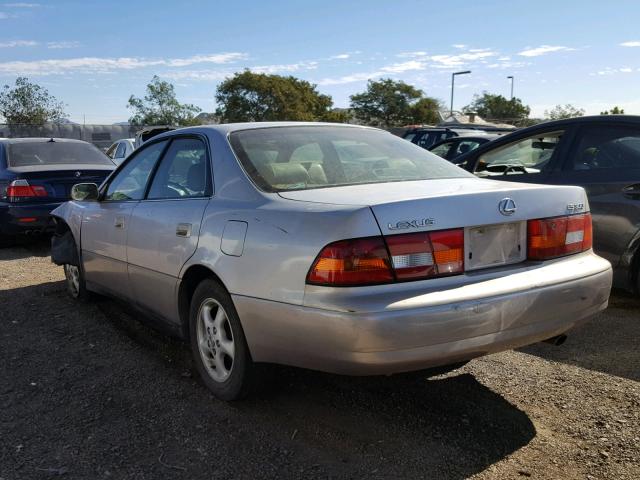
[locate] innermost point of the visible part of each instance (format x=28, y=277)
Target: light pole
x=510, y=77
x=453, y=80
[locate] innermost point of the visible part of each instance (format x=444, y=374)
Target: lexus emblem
x=77, y=174
x=507, y=206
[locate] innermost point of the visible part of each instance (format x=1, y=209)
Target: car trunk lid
x=58, y=181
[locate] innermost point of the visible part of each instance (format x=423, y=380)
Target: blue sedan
x=36, y=175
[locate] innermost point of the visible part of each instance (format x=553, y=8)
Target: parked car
x=36, y=176
x=120, y=150
x=148, y=133
x=454, y=147
x=426, y=137
x=599, y=153
x=333, y=247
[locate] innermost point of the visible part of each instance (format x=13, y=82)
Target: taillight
x=20, y=189
x=366, y=261
x=362, y=261
x=559, y=236
x=427, y=254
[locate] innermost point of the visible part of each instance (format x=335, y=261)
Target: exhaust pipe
x=557, y=341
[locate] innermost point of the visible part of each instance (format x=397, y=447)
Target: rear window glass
x=54, y=153
x=300, y=158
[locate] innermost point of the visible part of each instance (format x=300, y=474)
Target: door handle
x=632, y=190
x=119, y=222
x=183, y=230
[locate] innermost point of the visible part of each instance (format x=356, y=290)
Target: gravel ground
x=87, y=391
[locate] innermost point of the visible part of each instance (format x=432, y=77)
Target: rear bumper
x=18, y=219
x=423, y=332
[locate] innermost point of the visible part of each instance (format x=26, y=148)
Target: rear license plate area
x=494, y=245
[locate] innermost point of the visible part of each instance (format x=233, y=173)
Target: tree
x=567, y=111
x=29, y=103
x=160, y=107
x=256, y=97
x=389, y=103
x=497, y=107
x=614, y=111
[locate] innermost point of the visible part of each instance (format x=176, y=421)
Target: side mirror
x=84, y=192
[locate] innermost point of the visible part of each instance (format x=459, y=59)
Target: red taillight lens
x=363, y=261
x=556, y=237
x=429, y=254
x=366, y=261
x=19, y=189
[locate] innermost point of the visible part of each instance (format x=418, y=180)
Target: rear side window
x=183, y=173
x=300, y=158
x=25, y=154
x=606, y=147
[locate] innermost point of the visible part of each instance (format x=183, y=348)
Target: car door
x=605, y=159
x=165, y=226
x=529, y=158
x=105, y=224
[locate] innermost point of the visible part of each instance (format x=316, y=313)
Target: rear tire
x=218, y=343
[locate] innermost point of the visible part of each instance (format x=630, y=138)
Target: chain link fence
x=102, y=136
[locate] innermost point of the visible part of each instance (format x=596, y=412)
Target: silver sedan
x=332, y=247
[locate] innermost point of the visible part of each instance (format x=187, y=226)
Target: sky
x=93, y=55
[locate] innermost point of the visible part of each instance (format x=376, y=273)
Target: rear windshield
x=54, y=153
x=300, y=158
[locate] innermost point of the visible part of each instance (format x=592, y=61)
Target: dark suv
x=599, y=153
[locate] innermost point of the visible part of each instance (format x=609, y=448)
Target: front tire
x=76, y=285
x=218, y=343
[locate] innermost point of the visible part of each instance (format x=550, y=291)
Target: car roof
x=10, y=141
x=234, y=127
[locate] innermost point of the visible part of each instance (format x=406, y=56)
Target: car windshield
x=25, y=154
x=300, y=158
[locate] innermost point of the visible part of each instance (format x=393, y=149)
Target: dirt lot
x=87, y=391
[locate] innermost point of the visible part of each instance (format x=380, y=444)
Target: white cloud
x=218, y=58
x=543, y=50
x=205, y=75
x=3, y=16
x=22, y=5
x=107, y=65
x=630, y=44
x=63, y=44
x=411, y=54
x=341, y=56
x=446, y=61
x=284, y=68
x=459, y=46
x=404, y=67
x=611, y=71
x=18, y=43
x=354, y=77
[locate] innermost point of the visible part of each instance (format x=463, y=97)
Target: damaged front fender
x=66, y=240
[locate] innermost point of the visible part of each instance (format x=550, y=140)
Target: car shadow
x=25, y=247
x=404, y=426
x=606, y=343
x=97, y=390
